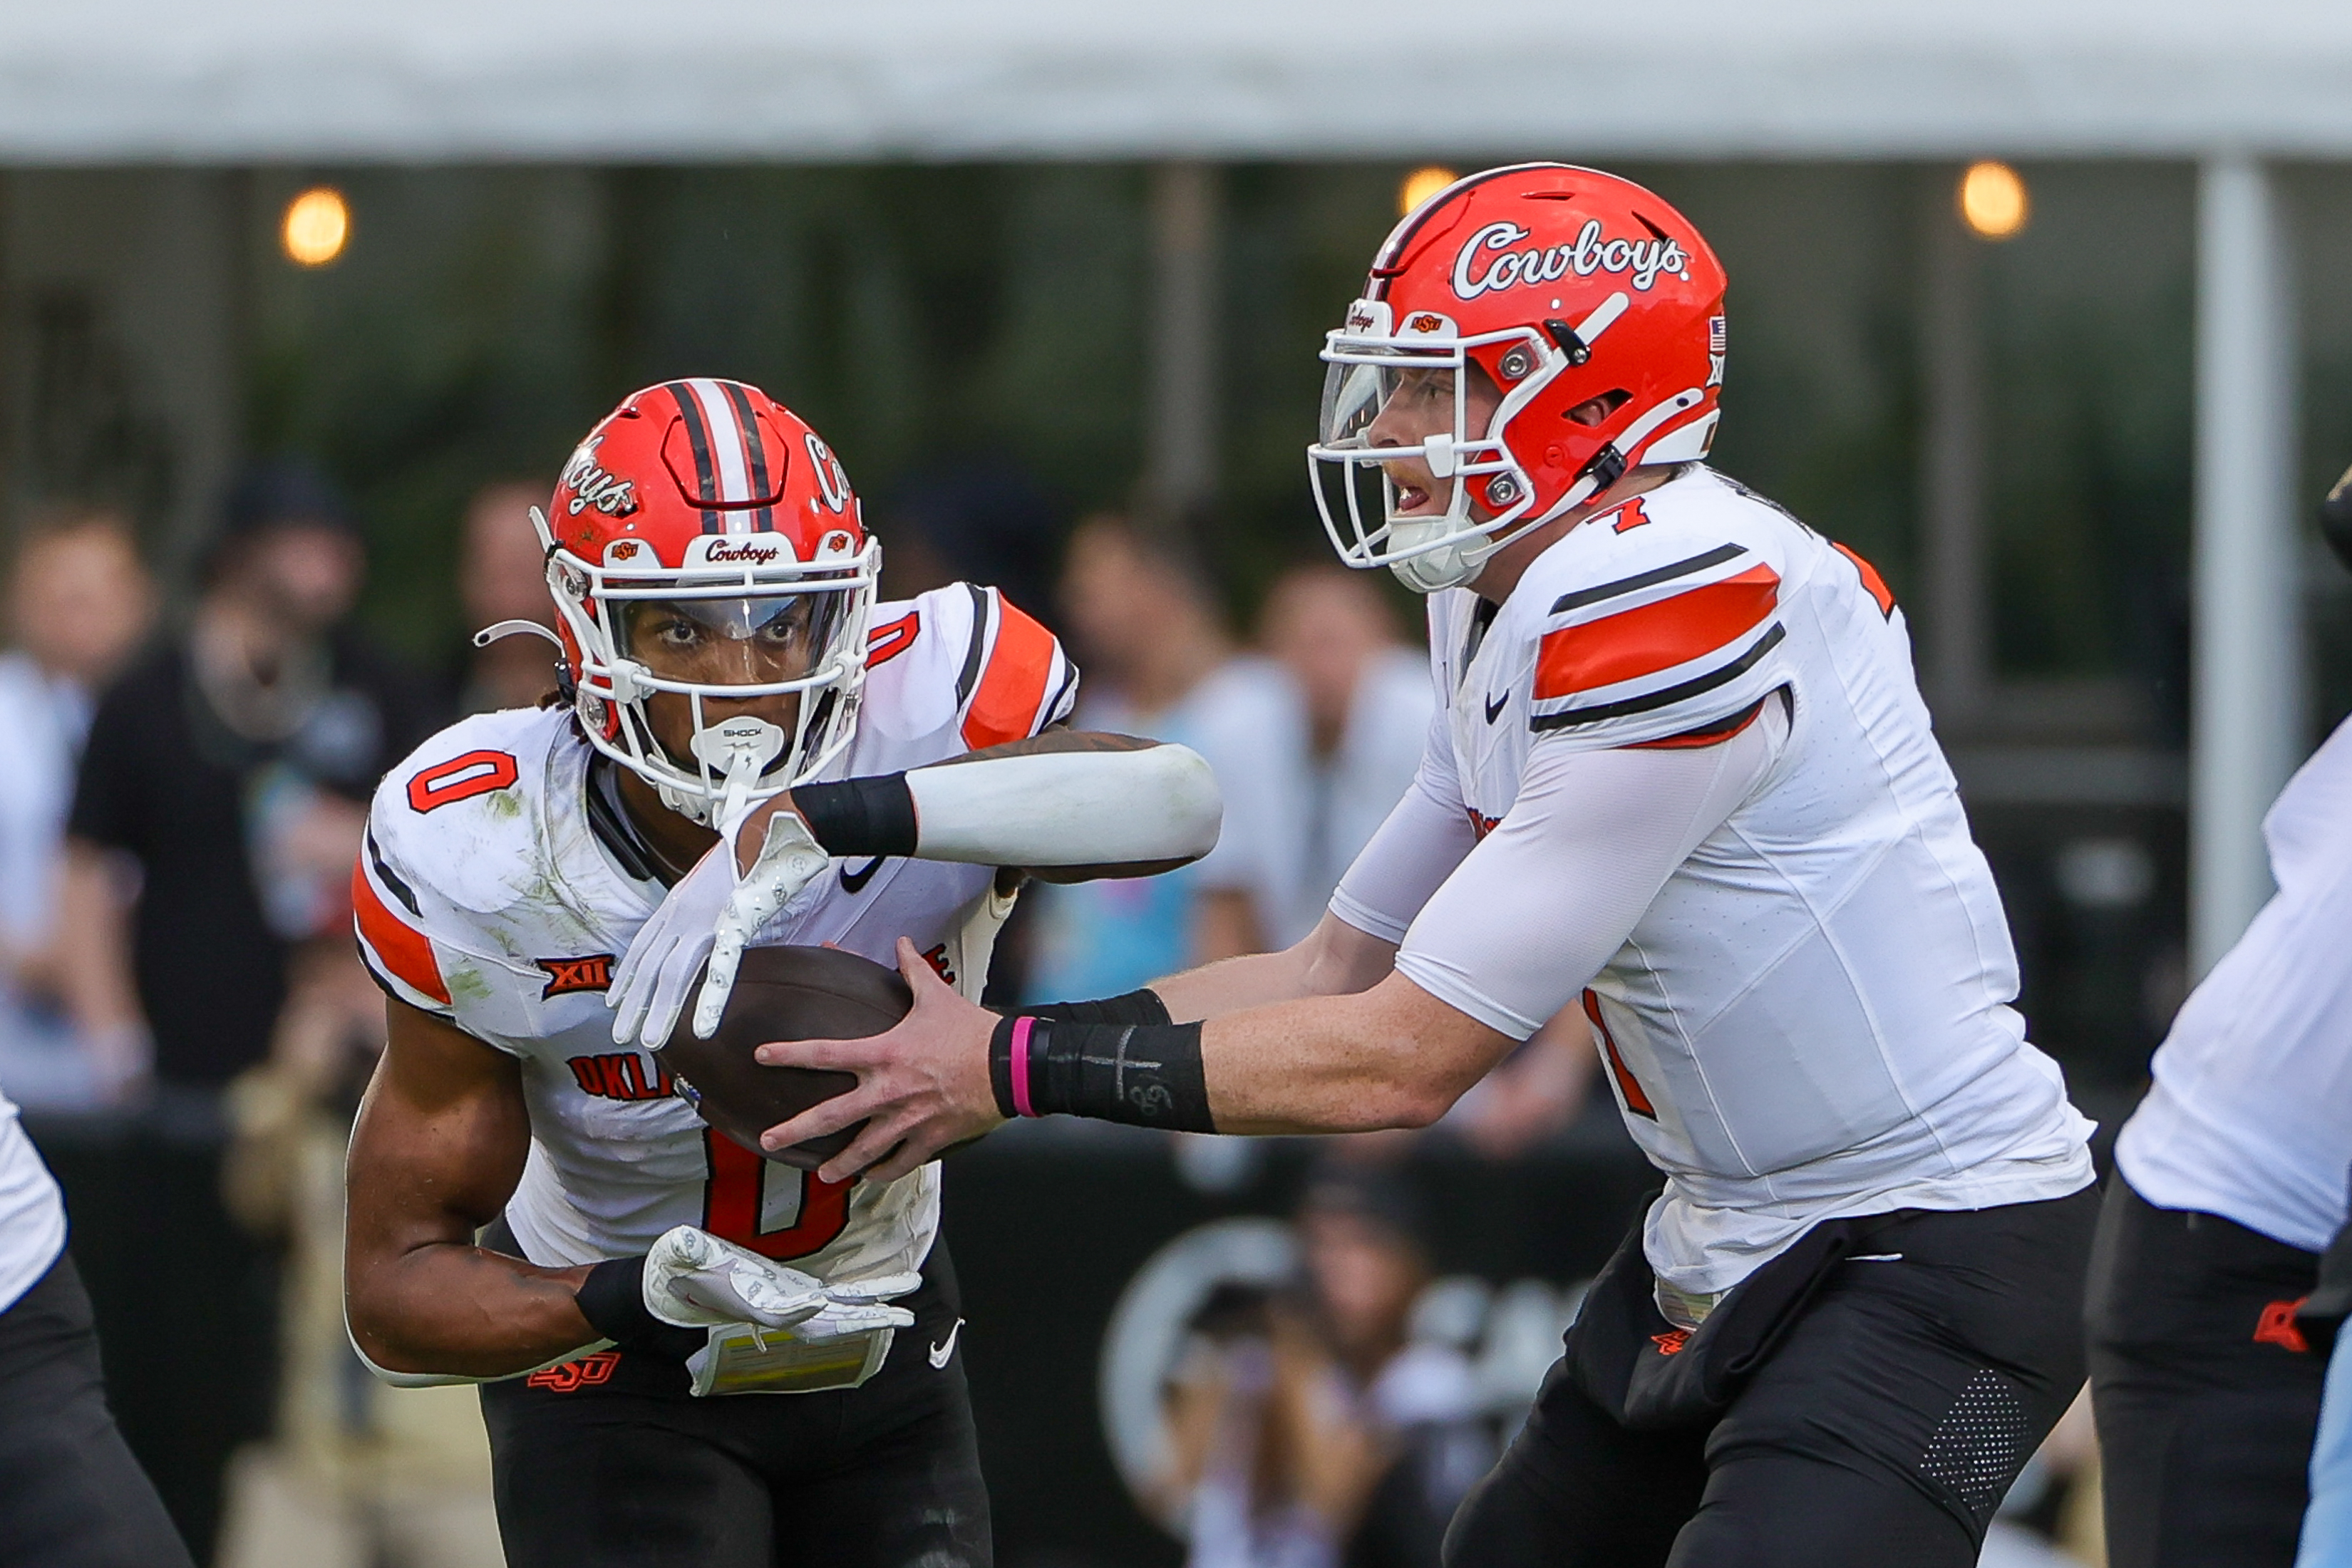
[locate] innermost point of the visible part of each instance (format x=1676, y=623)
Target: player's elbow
x=1411, y=1103
x=1433, y=1055
x=374, y=1330
x=378, y=1312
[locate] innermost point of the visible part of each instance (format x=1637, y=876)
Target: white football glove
x=859, y=1306
x=789, y=860
x=695, y=1281
x=709, y=914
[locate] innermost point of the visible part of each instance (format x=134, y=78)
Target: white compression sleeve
x=1068, y=808
x=1554, y=891
x=1408, y=858
x=1415, y=848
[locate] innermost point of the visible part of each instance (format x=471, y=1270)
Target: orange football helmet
x=1563, y=285
x=704, y=540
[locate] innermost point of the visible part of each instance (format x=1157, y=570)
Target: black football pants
x=70, y=1494
x=1884, y=1428
x=622, y=1467
x=2206, y=1398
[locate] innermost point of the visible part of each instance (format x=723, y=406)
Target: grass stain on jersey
x=467, y=984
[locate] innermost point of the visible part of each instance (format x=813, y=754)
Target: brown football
x=782, y=994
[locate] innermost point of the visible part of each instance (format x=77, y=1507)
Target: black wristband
x=1142, y=1006
x=612, y=1299
x=860, y=816
x=1147, y=1075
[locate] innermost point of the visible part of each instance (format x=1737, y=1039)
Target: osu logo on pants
x=586, y=1372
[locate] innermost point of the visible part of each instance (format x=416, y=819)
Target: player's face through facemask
x=754, y=642
x=1419, y=404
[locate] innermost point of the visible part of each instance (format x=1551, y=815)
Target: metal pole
x=1959, y=653
x=1180, y=448
x=2247, y=711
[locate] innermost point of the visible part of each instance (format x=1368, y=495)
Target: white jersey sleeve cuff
x=1451, y=985
x=1369, y=920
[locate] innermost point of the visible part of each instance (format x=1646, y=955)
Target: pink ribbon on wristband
x=1021, y=1066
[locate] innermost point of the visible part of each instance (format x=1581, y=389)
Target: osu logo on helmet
x=1567, y=290
x=712, y=504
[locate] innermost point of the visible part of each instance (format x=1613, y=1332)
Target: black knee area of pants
x=1576, y=1489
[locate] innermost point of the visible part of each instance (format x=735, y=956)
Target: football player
x=1681, y=778
x=748, y=742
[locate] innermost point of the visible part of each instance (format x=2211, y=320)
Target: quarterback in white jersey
x=751, y=741
x=1681, y=777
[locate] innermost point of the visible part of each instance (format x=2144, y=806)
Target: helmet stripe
x=726, y=447
x=700, y=439
x=764, y=520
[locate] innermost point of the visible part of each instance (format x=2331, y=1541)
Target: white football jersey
x=2251, y=1114
x=1812, y=1017
x=485, y=897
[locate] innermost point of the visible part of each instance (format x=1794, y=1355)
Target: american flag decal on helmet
x=736, y=475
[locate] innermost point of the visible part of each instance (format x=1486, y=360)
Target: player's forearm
x=1392, y=1056
x=1069, y=800
x=1333, y=960
x=459, y=1310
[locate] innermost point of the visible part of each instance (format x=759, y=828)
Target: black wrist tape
x=1142, y=1006
x=1147, y=1075
x=612, y=1299
x=860, y=816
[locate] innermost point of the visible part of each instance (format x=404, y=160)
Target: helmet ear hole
x=1597, y=410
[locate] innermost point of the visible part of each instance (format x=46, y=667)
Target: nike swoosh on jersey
x=941, y=1352
x=1495, y=707
x=853, y=883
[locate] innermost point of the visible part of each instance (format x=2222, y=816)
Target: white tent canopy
x=237, y=80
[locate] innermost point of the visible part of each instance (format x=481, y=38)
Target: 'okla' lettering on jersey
x=1642, y=259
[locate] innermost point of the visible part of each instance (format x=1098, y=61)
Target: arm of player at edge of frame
x=1322, y=1037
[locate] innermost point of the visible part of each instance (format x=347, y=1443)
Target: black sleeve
x=108, y=794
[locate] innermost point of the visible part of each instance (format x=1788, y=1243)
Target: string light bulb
x=1421, y=184
x=1993, y=200
x=318, y=225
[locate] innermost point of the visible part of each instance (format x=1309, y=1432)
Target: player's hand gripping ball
x=783, y=994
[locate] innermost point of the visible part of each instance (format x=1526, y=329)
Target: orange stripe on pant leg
x=1636, y=643
x=403, y=951
x=1013, y=685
